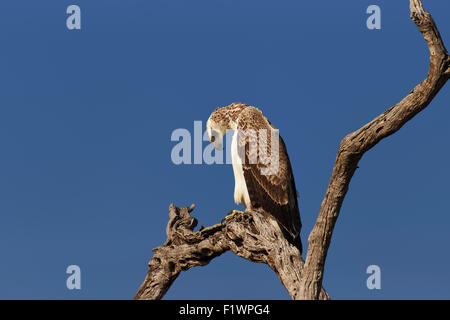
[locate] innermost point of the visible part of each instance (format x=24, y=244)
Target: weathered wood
x=354, y=145
x=254, y=237
x=249, y=235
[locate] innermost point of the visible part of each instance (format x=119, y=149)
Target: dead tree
x=252, y=236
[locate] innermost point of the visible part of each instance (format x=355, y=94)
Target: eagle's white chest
x=240, y=187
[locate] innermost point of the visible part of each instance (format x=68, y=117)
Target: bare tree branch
x=354, y=145
x=249, y=235
x=253, y=236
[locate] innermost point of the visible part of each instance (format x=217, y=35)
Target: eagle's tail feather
x=296, y=241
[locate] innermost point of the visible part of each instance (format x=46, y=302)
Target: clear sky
x=86, y=116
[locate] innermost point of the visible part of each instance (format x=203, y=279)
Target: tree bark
x=249, y=235
x=252, y=236
x=354, y=145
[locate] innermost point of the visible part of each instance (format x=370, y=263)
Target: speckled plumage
x=259, y=185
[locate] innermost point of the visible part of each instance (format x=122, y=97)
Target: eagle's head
x=222, y=120
x=215, y=131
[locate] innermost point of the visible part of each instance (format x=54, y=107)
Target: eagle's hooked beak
x=218, y=146
x=216, y=142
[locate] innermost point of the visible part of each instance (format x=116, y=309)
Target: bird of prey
x=264, y=181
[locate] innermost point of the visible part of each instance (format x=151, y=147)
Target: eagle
x=264, y=186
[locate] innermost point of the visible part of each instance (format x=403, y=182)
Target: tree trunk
x=252, y=236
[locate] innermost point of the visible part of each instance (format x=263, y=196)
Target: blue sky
x=86, y=117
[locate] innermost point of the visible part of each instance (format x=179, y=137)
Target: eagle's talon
x=230, y=215
x=231, y=212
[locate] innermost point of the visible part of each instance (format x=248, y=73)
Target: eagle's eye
x=213, y=139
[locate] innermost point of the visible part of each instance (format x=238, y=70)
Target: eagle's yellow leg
x=230, y=214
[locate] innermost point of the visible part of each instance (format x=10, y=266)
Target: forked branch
x=354, y=145
x=253, y=236
x=249, y=235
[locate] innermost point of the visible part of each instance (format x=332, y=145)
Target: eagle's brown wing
x=271, y=187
